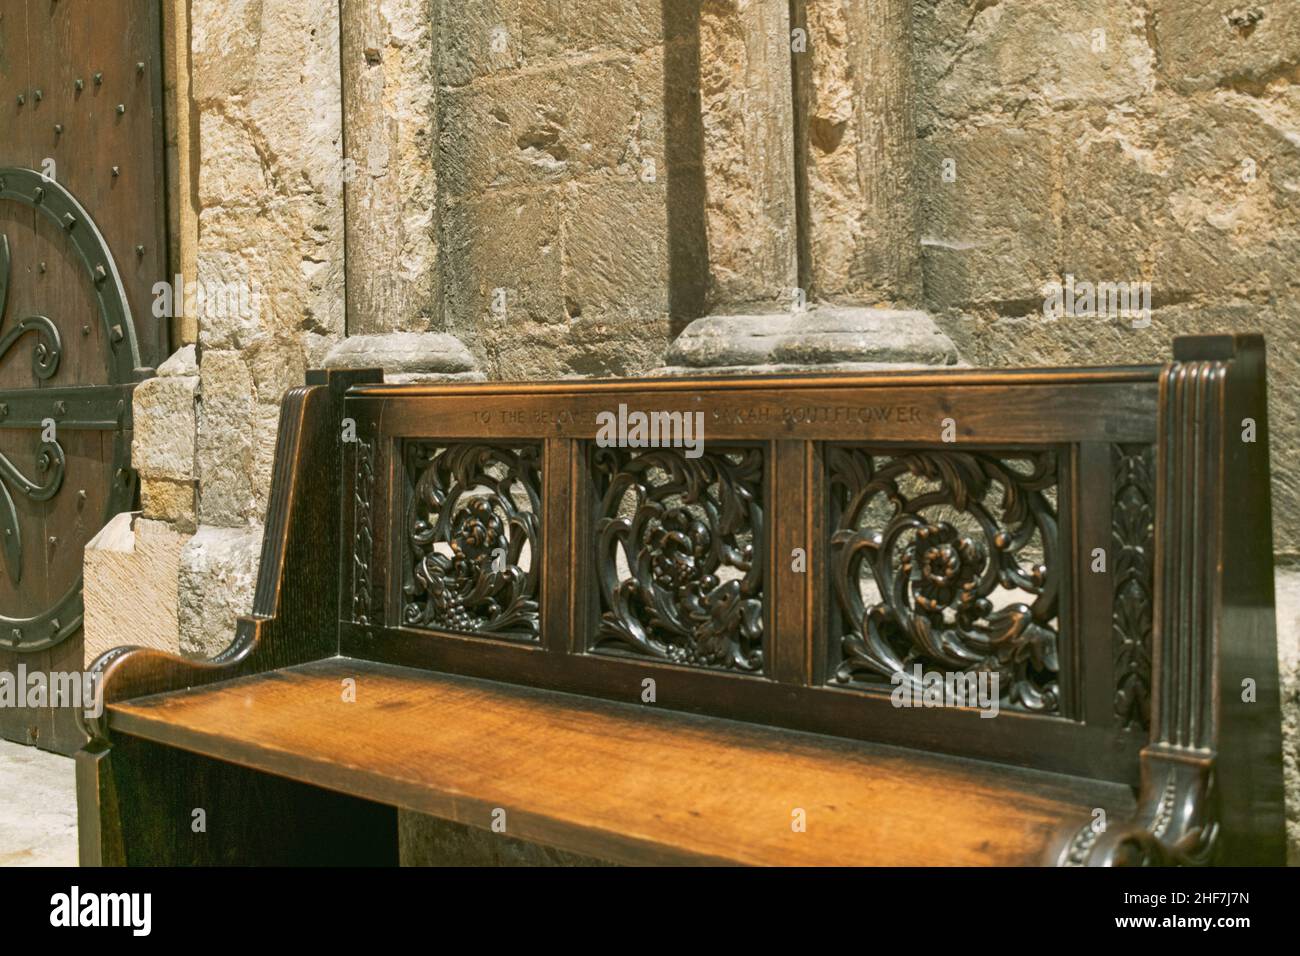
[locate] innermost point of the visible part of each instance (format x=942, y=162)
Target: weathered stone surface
x=597, y=347
x=225, y=440
x=390, y=178
x=175, y=502
x=748, y=115
x=982, y=242
x=479, y=39
x=218, y=574
x=823, y=336
x=502, y=262
x=1247, y=46
x=1000, y=64
x=162, y=445
x=182, y=363
x=266, y=90
x=1071, y=159
x=131, y=570
x=857, y=91
x=615, y=261
x=407, y=356
x=535, y=127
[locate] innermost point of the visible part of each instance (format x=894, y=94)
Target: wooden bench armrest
x=1211, y=786
x=294, y=617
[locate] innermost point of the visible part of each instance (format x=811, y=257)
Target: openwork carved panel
x=948, y=560
x=680, y=555
x=473, y=538
x=1133, y=554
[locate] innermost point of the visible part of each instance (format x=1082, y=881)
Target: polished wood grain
x=619, y=782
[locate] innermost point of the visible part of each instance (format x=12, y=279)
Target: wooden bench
x=472, y=605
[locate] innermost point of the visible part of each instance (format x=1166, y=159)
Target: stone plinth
x=840, y=338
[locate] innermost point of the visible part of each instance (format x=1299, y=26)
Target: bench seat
x=627, y=783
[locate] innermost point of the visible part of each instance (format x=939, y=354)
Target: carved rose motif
x=935, y=581
x=693, y=592
x=466, y=501
x=946, y=564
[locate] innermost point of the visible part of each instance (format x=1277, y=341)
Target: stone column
x=846, y=143
x=856, y=90
x=748, y=114
x=390, y=56
x=390, y=185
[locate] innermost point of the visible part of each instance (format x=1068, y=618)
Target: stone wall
x=553, y=216
x=266, y=300
x=1122, y=141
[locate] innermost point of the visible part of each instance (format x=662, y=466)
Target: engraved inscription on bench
x=472, y=540
x=947, y=560
x=679, y=555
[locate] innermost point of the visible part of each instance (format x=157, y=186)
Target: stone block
x=1205, y=43
x=540, y=126
x=561, y=28
x=164, y=413
x=479, y=39
x=175, y=502
x=1027, y=60
x=218, y=575
x=407, y=356
x=626, y=345
x=501, y=261
x=981, y=241
x=225, y=440
x=131, y=571
x=615, y=238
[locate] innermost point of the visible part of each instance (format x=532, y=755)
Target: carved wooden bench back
x=1060, y=529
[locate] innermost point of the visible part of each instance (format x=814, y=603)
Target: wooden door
x=82, y=243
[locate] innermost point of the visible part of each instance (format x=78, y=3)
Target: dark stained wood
x=1138, y=714
x=639, y=785
x=110, y=160
x=1069, y=409
x=1211, y=773
x=136, y=805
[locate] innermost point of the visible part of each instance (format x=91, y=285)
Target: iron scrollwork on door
x=947, y=560
x=680, y=555
x=104, y=407
x=473, y=538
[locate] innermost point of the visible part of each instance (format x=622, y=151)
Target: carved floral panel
x=680, y=545
x=948, y=560
x=473, y=521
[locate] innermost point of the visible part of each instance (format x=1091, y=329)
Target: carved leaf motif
x=689, y=532
x=473, y=538
x=1132, y=545
x=938, y=534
